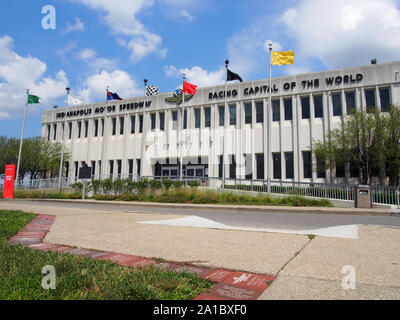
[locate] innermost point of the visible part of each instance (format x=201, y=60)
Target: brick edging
x=229, y=285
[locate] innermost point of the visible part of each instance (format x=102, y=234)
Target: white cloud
x=94, y=87
x=198, y=76
x=18, y=73
x=77, y=27
x=94, y=62
x=345, y=33
x=189, y=17
x=131, y=33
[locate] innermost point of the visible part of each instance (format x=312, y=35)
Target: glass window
x=207, y=117
x=287, y=104
x=340, y=171
x=305, y=107
x=55, y=132
x=276, y=110
x=141, y=123
x=248, y=167
x=174, y=120
x=121, y=125
x=102, y=127
x=247, y=113
x=185, y=119
x=114, y=126
x=220, y=166
x=370, y=98
x=318, y=107
x=70, y=130
x=350, y=102
x=307, y=164
x=232, y=167
x=86, y=128
x=153, y=121
x=79, y=129
x=48, y=132
x=260, y=166
x=111, y=167
x=384, y=94
x=133, y=124
x=354, y=170
x=320, y=168
x=162, y=121
x=232, y=115
x=337, y=104
x=259, y=112
x=221, y=113
x=289, y=164
x=96, y=127
x=276, y=158
x=197, y=118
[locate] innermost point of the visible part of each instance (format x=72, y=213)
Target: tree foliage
x=38, y=157
x=370, y=140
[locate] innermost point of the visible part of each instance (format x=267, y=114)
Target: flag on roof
x=281, y=58
x=233, y=76
x=151, y=91
x=112, y=96
x=73, y=101
x=189, y=88
x=33, y=99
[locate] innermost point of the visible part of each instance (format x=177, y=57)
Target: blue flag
x=112, y=96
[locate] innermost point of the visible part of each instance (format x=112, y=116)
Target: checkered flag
x=151, y=91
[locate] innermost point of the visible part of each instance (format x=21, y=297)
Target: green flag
x=33, y=99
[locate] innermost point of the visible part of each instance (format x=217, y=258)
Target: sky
x=87, y=45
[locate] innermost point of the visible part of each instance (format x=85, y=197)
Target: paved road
x=292, y=221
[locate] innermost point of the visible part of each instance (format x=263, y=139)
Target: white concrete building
x=140, y=136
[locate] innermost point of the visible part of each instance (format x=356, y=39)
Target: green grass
x=79, y=278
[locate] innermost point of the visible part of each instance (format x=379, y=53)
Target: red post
x=8, y=191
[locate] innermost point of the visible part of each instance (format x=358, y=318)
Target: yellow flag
x=281, y=58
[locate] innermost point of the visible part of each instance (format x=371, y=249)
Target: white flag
x=73, y=101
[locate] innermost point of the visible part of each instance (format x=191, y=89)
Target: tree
x=367, y=139
x=38, y=156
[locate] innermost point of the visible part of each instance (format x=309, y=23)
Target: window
x=96, y=127
x=337, y=104
x=114, y=126
x=276, y=110
x=305, y=107
x=55, y=132
x=307, y=164
x=174, y=120
x=121, y=125
x=287, y=104
x=93, y=168
x=259, y=112
x=70, y=130
x=153, y=121
x=185, y=119
x=276, y=158
x=370, y=98
x=100, y=169
x=384, y=94
x=111, y=167
x=220, y=166
x=130, y=165
x=79, y=129
x=119, y=168
x=232, y=167
x=260, y=166
x=247, y=113
x=318, y=107
x=340, y=170
x=102, y=127
x=197, y=118
x=133, y=124
x=289, y=165
x=350, y=102
x=162, y=121
x=138, y=165
x=207, y=117
x=86, y=128
x=76, y=168
x=248, y=167
x=48, y=132
x=232, y=115
x=221, y=113
x=354, y=170
x=140, y=123
x=320, y=168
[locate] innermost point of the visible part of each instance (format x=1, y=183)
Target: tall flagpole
x=225, y=120
x=269, y=119
x=182, y=115
x=22, y=138
x=143, y=148
x=63, y=142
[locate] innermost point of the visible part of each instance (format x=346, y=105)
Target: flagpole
x=22, y=138
x=63, y=142
x=182, y=115
x=225, y=120
x=143, y=148
x=269, y=119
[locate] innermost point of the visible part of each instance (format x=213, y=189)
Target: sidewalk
x=305, y=268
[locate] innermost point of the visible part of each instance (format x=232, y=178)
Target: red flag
x=189, y=88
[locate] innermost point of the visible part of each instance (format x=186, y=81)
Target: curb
x=267, y=209
x=228, y=285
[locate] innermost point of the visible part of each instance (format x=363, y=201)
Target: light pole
x=22, y=138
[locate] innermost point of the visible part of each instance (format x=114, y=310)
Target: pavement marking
x=346, y=231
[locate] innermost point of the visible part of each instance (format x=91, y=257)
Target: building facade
x=149, y=136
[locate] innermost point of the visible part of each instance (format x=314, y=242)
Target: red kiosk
x=9, y=176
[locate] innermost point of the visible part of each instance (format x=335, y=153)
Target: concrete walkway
x=305, y=268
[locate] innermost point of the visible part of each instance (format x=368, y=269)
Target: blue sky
x=99, y=43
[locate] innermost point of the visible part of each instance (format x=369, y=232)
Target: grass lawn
x=80, y=278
